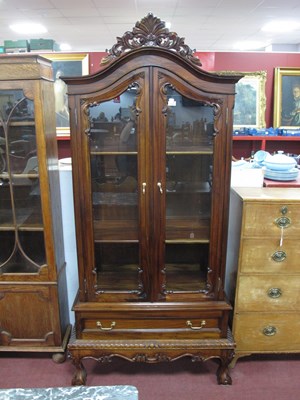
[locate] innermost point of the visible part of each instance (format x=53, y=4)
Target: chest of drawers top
x=268, y=194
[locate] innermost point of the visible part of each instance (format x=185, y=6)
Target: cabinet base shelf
x=59, y=353
x=152, y=351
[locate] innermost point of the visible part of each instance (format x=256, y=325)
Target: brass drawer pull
x=112, y=325
x=196, y=328
x=274, y=293
x=284, y=210
x=269, y=331
x=283, y=222
x=279, y=256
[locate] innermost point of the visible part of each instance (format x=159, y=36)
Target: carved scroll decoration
x=150, y=32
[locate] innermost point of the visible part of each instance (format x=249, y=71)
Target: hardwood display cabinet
x=33, y=296
x=263, y=276
x=151, y=153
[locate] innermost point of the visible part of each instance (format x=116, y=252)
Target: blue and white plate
x=289, y=175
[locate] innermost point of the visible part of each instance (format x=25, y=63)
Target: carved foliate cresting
x=150, y=32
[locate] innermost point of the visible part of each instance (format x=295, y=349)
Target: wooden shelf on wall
x=244, y=146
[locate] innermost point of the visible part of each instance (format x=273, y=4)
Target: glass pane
x=114, y=180
x=7, y=240
x=115, y=198
x=186, y=267
x=189, y=160
x=17, y=136
x=188, y=196
x=20, y=203
x=113, y=123
x=15, y=106
x=33, y=245
x=117, y=266
x=189, y=164
x=24, y=252
x=189, y=124
x=6, y=215
x=113, y=157
x=27, y=201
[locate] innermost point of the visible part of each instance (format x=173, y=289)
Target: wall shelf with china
x=245, y=146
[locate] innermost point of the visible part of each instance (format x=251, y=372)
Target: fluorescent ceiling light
x=26, y=28
x=280, y=26
x=65, y=47
x=248, y=45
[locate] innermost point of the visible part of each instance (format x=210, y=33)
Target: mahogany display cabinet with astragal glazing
x=151, y=150
x=33, y=295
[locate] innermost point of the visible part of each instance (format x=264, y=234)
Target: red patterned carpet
x=254, y=378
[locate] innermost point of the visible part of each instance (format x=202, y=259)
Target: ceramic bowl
x=279, y=162
x=260, y=156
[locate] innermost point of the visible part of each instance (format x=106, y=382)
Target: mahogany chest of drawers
x=263, y=275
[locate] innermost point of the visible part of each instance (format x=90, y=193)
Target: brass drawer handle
x=196, y=328
x=283, y=222
x=274, y=293
x=279, y=256
x=112, y=325
x=269, y=331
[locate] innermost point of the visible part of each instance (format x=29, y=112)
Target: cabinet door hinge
x=85, y=286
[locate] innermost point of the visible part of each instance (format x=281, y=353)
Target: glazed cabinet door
x=185, y=135
x=115, y=135
x=21, y=222
x=150, y=145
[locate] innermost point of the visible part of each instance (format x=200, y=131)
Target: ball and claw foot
x=223, y=375
x=79, y=378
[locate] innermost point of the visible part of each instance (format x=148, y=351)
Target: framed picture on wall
x=250, y=99
x=287, y=98
x=65, y=64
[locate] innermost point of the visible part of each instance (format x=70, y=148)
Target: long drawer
x=262, y=256
x=265, y=219
x=277, y=332
x=268, y=293
x=172, y=328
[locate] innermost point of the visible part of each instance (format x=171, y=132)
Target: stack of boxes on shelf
x=31, y=45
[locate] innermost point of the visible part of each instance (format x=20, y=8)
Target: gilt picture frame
x=65, y=64
x=250, y=99
x=286, y=98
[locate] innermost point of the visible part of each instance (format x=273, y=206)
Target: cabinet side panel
x=234, y=233
x=53, y=172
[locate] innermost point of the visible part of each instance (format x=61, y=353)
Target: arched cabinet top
x=150, y=44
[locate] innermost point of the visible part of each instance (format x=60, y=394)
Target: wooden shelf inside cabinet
x=244, y=146
x=24, y=122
